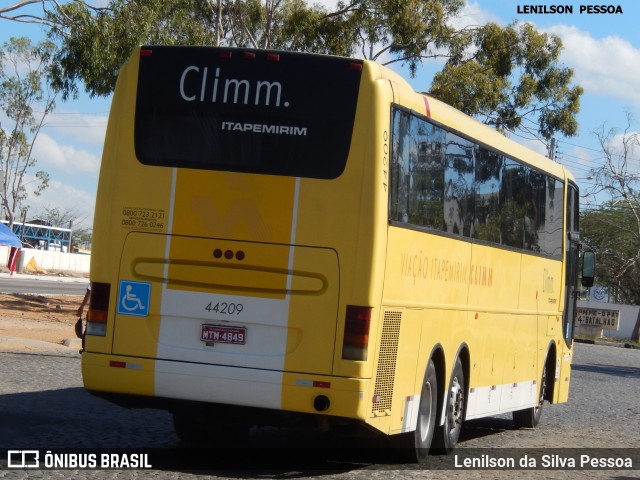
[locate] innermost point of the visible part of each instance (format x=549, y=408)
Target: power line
x=580, y=146
x=74, y=125
x=628, y=157
x=72, y=113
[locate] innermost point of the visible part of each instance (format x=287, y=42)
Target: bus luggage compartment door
x=244, y=304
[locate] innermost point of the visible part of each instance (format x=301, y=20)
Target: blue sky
x=603, y=50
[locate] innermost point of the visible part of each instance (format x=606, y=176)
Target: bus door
x=563, y=369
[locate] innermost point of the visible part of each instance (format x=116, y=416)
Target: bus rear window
x=276, y=113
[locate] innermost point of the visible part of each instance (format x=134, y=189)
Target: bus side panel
x=426, y=270
x=392, y=403
x=541, y=284
x=502, y=336
x=426, y=275
x=563, y=373
x=494, y=279
x=543, y=279
x=541, y=288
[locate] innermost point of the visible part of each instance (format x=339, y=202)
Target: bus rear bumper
x=248, y=387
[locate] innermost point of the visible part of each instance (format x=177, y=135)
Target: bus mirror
x=588, y=268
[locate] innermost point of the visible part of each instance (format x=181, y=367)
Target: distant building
x=38, y=234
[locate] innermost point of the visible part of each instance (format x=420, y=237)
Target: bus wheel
x=446, y=435
x=530, y=417
x=414, y=446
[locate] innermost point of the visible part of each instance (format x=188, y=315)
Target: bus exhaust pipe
x=321, y=403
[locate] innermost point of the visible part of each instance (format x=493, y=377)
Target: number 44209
x=224, y=308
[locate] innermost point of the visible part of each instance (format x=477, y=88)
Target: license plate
x=223, y=334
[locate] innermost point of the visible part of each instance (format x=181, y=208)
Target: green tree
x=94, y=42
x=613, y=229
x=25, y=101
x=512, y=80
x=612, y=232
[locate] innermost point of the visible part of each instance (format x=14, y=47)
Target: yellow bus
x=286, y=237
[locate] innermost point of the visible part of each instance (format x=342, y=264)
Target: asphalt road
x=42, y=285
x=44, y=406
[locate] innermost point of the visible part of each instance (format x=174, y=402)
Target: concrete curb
x=50, y=278
x=607, y=343
x=27, y=345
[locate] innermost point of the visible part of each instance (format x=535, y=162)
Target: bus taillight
x=356, y=333
x=98, y=309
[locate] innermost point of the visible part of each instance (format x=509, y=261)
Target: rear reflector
x=129, y=365
x=356, y=333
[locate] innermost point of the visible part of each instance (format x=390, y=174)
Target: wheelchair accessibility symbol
x=133, y=298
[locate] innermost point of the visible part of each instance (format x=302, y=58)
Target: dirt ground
x=38, y=322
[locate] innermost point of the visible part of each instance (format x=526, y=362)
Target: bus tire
x=414, y=446
x=447, y=435
x=530, y=417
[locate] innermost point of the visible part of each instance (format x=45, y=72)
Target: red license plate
x=223, y=334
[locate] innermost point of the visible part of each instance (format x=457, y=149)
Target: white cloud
x=89, y=129
x=472, y=14
x=328, y=4
x=608, y=66
x=616, y=146
x=73, y=178
x=64, y=157
x=64, y=197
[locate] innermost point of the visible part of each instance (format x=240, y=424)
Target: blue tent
x=7, y=237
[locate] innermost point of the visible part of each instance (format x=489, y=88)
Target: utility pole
x=551, y=149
